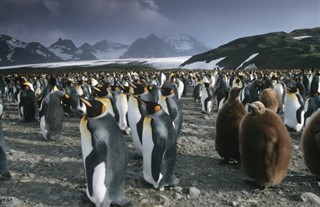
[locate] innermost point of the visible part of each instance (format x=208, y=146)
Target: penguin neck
x=158, y=113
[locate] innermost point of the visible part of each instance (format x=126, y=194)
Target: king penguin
x=227, y=126
x=27, y=103
x=137, y=112
x=310, y=140
x=51, y=115
x=104, y=154
x=294, y=110
x=4, y=167
x=159, y=147
x=171, y=105
x=265, y=146
x=122, y=106
x=312, y=104
x=207, y=98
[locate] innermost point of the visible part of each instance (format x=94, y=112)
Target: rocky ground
x=52, y=173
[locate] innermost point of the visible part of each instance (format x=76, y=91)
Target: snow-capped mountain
x=151, y=46
x=185, y=44
x=108, y=50
x=169, y=46
x=15, y=52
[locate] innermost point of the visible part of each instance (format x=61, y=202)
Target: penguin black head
x=138, y=88
x=152, y=107
x=257, y=107
x=94, y=108
x=292, y=90
x=125, y=89
x=100, y=90
x=206, y=85
x=166, y=91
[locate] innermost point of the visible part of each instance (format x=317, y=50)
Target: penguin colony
x=147, y=107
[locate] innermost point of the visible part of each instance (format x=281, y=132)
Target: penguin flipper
x=43, y=109
x=92, y=160
x=157, y=157
x=140, y=128
x=301, y=108
x=4, y=169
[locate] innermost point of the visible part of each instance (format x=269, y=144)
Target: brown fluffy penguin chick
x=270, y=99
x=265, y=146
x=227, y=126
x=310, y=141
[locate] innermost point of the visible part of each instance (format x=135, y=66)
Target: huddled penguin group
x=255, y=110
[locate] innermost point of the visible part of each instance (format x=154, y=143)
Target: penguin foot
x=124, y=202
x=85, y=199
x=253, y=184
x=6, y=176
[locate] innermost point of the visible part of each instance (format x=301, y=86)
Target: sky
x=213, y=22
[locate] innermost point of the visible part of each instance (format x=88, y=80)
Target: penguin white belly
x=279, y=90
x=43, y=127
x=203, y=98
x=122, y=105
x=290, y=115
x=147, y=153
x=134, y=116
x=221, y=103
x=98, y=184
x=86, y=140
x=163, y=103
x=180, y=89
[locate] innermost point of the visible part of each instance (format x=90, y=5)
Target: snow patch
x=59, y=52
x=301, y=37
x=203, y=65
x=248, y=59
x=159, y=63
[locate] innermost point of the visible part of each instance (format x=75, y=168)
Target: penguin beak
x=131, y=84
x=96, y=89
x=86, y=102
x=66, y=95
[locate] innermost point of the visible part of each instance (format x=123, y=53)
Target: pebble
x=10, y=202
x=193, y=191
x=309, y=197
x=178, y=189
x=177, y=196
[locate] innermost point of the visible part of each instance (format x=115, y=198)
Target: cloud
x=52, y=6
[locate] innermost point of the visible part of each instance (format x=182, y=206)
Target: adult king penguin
x=171, y=105
x=227, y=126
x=104, y=154
x=159, y=147
x=27, y=103
x=265, y=146
x=207, y=98
x=293, y=110
x=137, y=112
x=51, y=115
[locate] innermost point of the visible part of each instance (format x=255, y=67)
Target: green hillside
x=276, y=50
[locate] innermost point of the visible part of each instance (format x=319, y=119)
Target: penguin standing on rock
x=294, y=110
x=310, y=142
x=104, y=154
x=159, y=147
x=265, y=146
x=227, y=126
x=51, y=115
